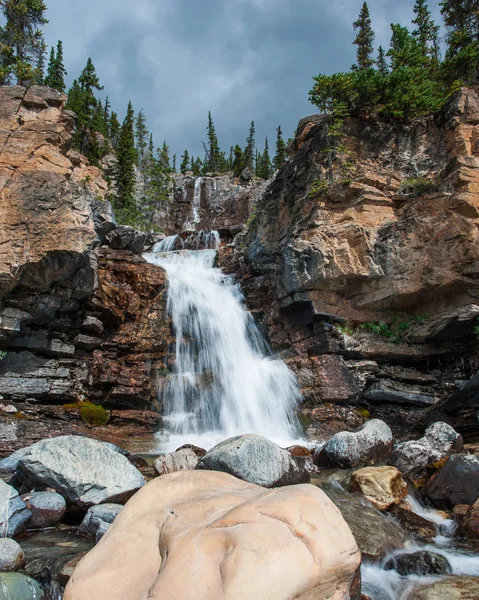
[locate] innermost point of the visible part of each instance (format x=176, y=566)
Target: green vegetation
x=409, y=80
x=90, y=414
x=56, y=71
x=415, y=187
x=318, y=188
x=396, y=331
x=476, y=331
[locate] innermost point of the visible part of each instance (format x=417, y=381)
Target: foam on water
x=224, y=381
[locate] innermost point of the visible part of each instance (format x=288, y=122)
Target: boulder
x=14, y=514
x=395, y=392
x=11, y=555
x=16, y=586
x=209, y=535
x=255, y=459
x=181, y=460
x=98, y=519
x=382, y=486
x=47, y=508
x=84, y=471
x=456, y=483
x=419, y=563
x=421, y=528
x=469, y=524
x=371, y=444
x=413, y=457
x=126, y=238
x=452, y=588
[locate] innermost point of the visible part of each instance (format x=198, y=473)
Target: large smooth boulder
x=456, y=483
x=16, y=586
x=14, y=514
x=208, y=535
x=452, y=588
x=98, y=519
x=47, y=508
x=84, y=471
x=382, y=486
x=419, y=563
x=371, y=444
x=413, y=457
x=255, y=459
x=11, y=555
x=184, y=459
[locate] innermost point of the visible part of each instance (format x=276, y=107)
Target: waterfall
x=224, y=381
x=195, y=207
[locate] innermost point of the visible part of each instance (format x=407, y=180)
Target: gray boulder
x=16, y=586
x=126, y=238
x=439, y=441
x=398, y=393
x=11, y=555
x=9, y=465
x=371, y=444
x=85, y=472
x=98, y=519
x=181, y=460
x=255, y=459
x=456, y=483
x=47, y=508
x=14, y=515
x=419, y=563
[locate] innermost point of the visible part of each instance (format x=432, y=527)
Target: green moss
x=364, y=413
x=318, y=187
x=91, y=414
x=415, y=187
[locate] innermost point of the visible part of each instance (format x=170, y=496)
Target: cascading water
x=195, y=207
x=224, y=381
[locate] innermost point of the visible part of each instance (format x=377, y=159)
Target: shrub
x=415, y=187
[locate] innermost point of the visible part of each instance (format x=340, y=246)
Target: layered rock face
x=210, y=535
x=364, y=261
x=82, y=315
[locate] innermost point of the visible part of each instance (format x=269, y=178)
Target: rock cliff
x=363, y=258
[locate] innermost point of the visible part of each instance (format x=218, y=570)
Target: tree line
x=142, y=172
x=410, y=79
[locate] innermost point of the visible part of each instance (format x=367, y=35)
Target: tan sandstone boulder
x=200, y=535
x=382, y=486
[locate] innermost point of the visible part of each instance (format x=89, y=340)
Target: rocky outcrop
x=362, y=261
x=270, y=544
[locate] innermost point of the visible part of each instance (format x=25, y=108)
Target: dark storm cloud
x=241, y=59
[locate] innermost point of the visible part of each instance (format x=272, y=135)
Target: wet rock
x=98, y=519
x=395, y=392
x=181, y=460
x=14, y=514
x=103, y=217
x=86, y=472
x=255, y=459
x=376, y=534
x=200, y=452
x=422, y=529
x=452, y=588
x=456, y=483
x=413, y=457
x=16, y=586
x=246, y=529
x=47, y=508
x=419, y=563
x=371, y=444
x=9, y=465
x=11, y=555
x=462, y=405
x=382, y=486
x=126, y=238
x=469, y=523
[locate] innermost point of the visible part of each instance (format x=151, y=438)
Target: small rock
x=382, y=486
x=420, y=563
x=11, y=555
x=422, y=529
x=452, y=588
x=456, y=483
x=469, y=524
x=371, y=444
x=92, y=325
x=98, y=519
x=255, y=459
x=16, y=586
x=181, y=460
x=8, y=409
x=47, y=508
x=14, y=514
x=200, y=452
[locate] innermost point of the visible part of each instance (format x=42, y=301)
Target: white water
x=224, y=381
x=195, y=207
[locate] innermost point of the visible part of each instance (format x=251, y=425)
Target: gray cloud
x=241, y=59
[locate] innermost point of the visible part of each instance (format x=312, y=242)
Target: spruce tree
x=214, y=159
x=173, y=164
x=142, y=137
x=59, y=69
x=266, y=167
x=21, y=40
x=249, y=153
x=381, y=62
x=185, y=162
x=280, y=156
x=426, y=32
x=40, y=70
x=258, y=165
x=461, y=19
x=126, y=159
x=114, y=129
x=238, y=161
x=50, y=69
x=364, y=39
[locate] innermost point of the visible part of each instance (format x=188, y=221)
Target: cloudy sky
x=241, y=59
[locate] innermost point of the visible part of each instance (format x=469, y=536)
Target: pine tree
x=40, y=70
x=214, y=160
x=266, y=167
x=21, y=40
x=258, y=166
x=114, y=129
x=173, y=165
x=381, y=62
x=364, y=39
x=50, y=69
x=59, y=70
x=185, y=162
x=238, y=161
x=461, y=18
x=249, y=152
x=426, y=32
x=126, y=157
x=141, y=136
x=164, y=158
x=106, y=111
x=280, y=156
